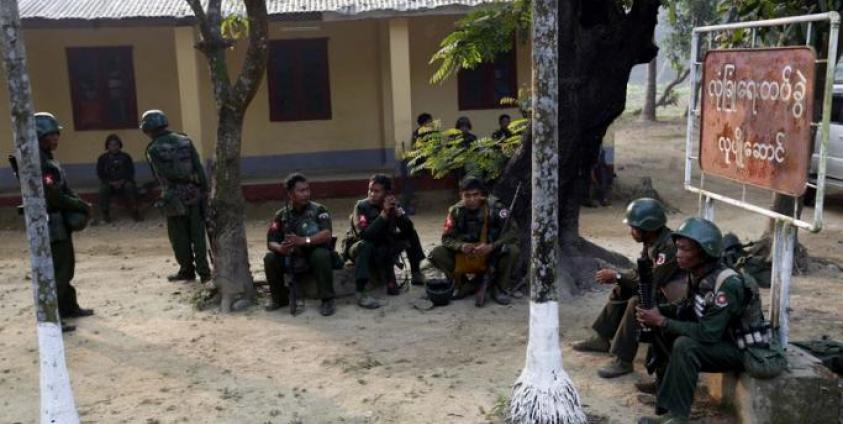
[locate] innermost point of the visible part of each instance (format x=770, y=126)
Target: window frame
x=76, y=54
x=488, y=69
x=299, y=45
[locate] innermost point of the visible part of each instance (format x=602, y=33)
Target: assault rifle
x=13, y=162
x=491, y=265
x=645, y=292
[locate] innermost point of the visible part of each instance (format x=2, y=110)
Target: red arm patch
x=275, y=227
x=49, y=179
x=362, y=222
x=449, y=224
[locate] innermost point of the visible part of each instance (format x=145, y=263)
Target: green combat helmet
x=45, y=124
x=153, y=120
x=704, y=232
x=646, y=214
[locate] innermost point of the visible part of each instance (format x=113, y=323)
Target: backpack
x=830, y=352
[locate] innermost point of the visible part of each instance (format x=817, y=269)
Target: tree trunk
x=667, y=94
x=231, y=256
x=228, y=242
x=57, y=403
x=543, y=392
x=648, y=113
x=595, y=62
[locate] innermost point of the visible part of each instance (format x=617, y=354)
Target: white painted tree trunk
x=57, y=403
x=543, y=393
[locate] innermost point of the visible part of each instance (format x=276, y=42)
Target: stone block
x=807, y=393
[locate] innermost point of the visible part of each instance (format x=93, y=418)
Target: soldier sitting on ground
x=478, y=238
x=705, y=332
x=298, y=237
x=67, y=213
x=380, y=231
x=116, y=172
x=616, y=327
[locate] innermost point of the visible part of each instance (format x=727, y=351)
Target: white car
x=834, y=166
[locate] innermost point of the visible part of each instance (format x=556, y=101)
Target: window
x=484, y=86
x=102, y=87
x=297, y=74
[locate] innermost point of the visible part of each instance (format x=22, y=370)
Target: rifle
x=13, y=162
x=646, y=294
x=296, y=305
x=490, y=269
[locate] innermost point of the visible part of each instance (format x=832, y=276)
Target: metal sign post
x=749, y=124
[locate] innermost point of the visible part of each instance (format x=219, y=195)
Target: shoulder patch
x=449, y=224
x=274, y=227
x=49, y=179
x=324, y=216
x=362, y=221
x=661, y=259
x=504, y=213
x=721, y=300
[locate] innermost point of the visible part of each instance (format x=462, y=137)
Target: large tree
x=599, y=43
x=228, y=233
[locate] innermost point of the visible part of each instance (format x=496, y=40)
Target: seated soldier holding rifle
x=478, y=238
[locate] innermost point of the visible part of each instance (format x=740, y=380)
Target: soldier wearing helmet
x=616, y=327
x=67, y=213
x=176, y=165
x=708, y=331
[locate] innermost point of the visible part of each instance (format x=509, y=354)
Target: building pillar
x=397, y=97
x=189, y=99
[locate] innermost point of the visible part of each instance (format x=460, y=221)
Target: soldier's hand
x=286, y=248
x=649, y=317
x=606, y=276
x=483, y=249
x=467, y=248
x=294, y=240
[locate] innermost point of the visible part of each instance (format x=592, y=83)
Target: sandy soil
x=148, y=356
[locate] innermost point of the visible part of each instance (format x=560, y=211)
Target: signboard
x=756, y=116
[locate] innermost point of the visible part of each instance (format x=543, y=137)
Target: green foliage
x=683, y=16
x=751, y=10
x=234, y=27
x=443, y=151
x=481, y=36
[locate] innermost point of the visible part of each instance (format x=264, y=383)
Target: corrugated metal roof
x=132, y=9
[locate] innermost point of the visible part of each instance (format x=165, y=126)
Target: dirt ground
x=148, y=356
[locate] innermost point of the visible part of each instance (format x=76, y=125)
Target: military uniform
x=375, y=240
x=466, y=226
x=116, y=167
x=61, y=202
x=176, y=164
x=705, y=334
x=616, y=321
x=311, y=220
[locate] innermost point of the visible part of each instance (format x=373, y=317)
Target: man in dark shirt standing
x=116, y=172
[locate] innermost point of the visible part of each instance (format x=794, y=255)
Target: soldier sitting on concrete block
x=300, y=232
x=380, y=231
x=478, y=238
x=720, y=318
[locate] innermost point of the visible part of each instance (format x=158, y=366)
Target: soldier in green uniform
x=720, y=311
x=616, y=327
x=478, y=237
x=176, y=165
x=116, y=172
x=380, y=231
x=67, y=213
x=300, y=231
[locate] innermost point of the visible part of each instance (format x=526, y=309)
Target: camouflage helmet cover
x=704, y=232
x=646, y=214
x=45, y=124
x=153, y=119
x=731, y=241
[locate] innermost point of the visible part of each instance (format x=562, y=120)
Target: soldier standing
x=184, y=187
x=380, y=231
x=478, y=239
x=721, y=312
x=616, y=327
x=300, y=231
x=67, y=213
x=116, y=172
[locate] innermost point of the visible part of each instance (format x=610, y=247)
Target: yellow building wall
x=156, y=84
x=441, y=100
x=355, y=84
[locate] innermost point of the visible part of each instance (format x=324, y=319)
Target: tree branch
x=256, y=55
x=680, y=78
x=213, y=46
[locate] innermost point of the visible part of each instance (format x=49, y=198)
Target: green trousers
x=688, y=358
x=500, y=260
x=617, y=323
x=107, y=192
x=187, y=236
x=64, y=264
x=319, y=263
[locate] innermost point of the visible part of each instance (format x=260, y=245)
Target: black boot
x=182, y=276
